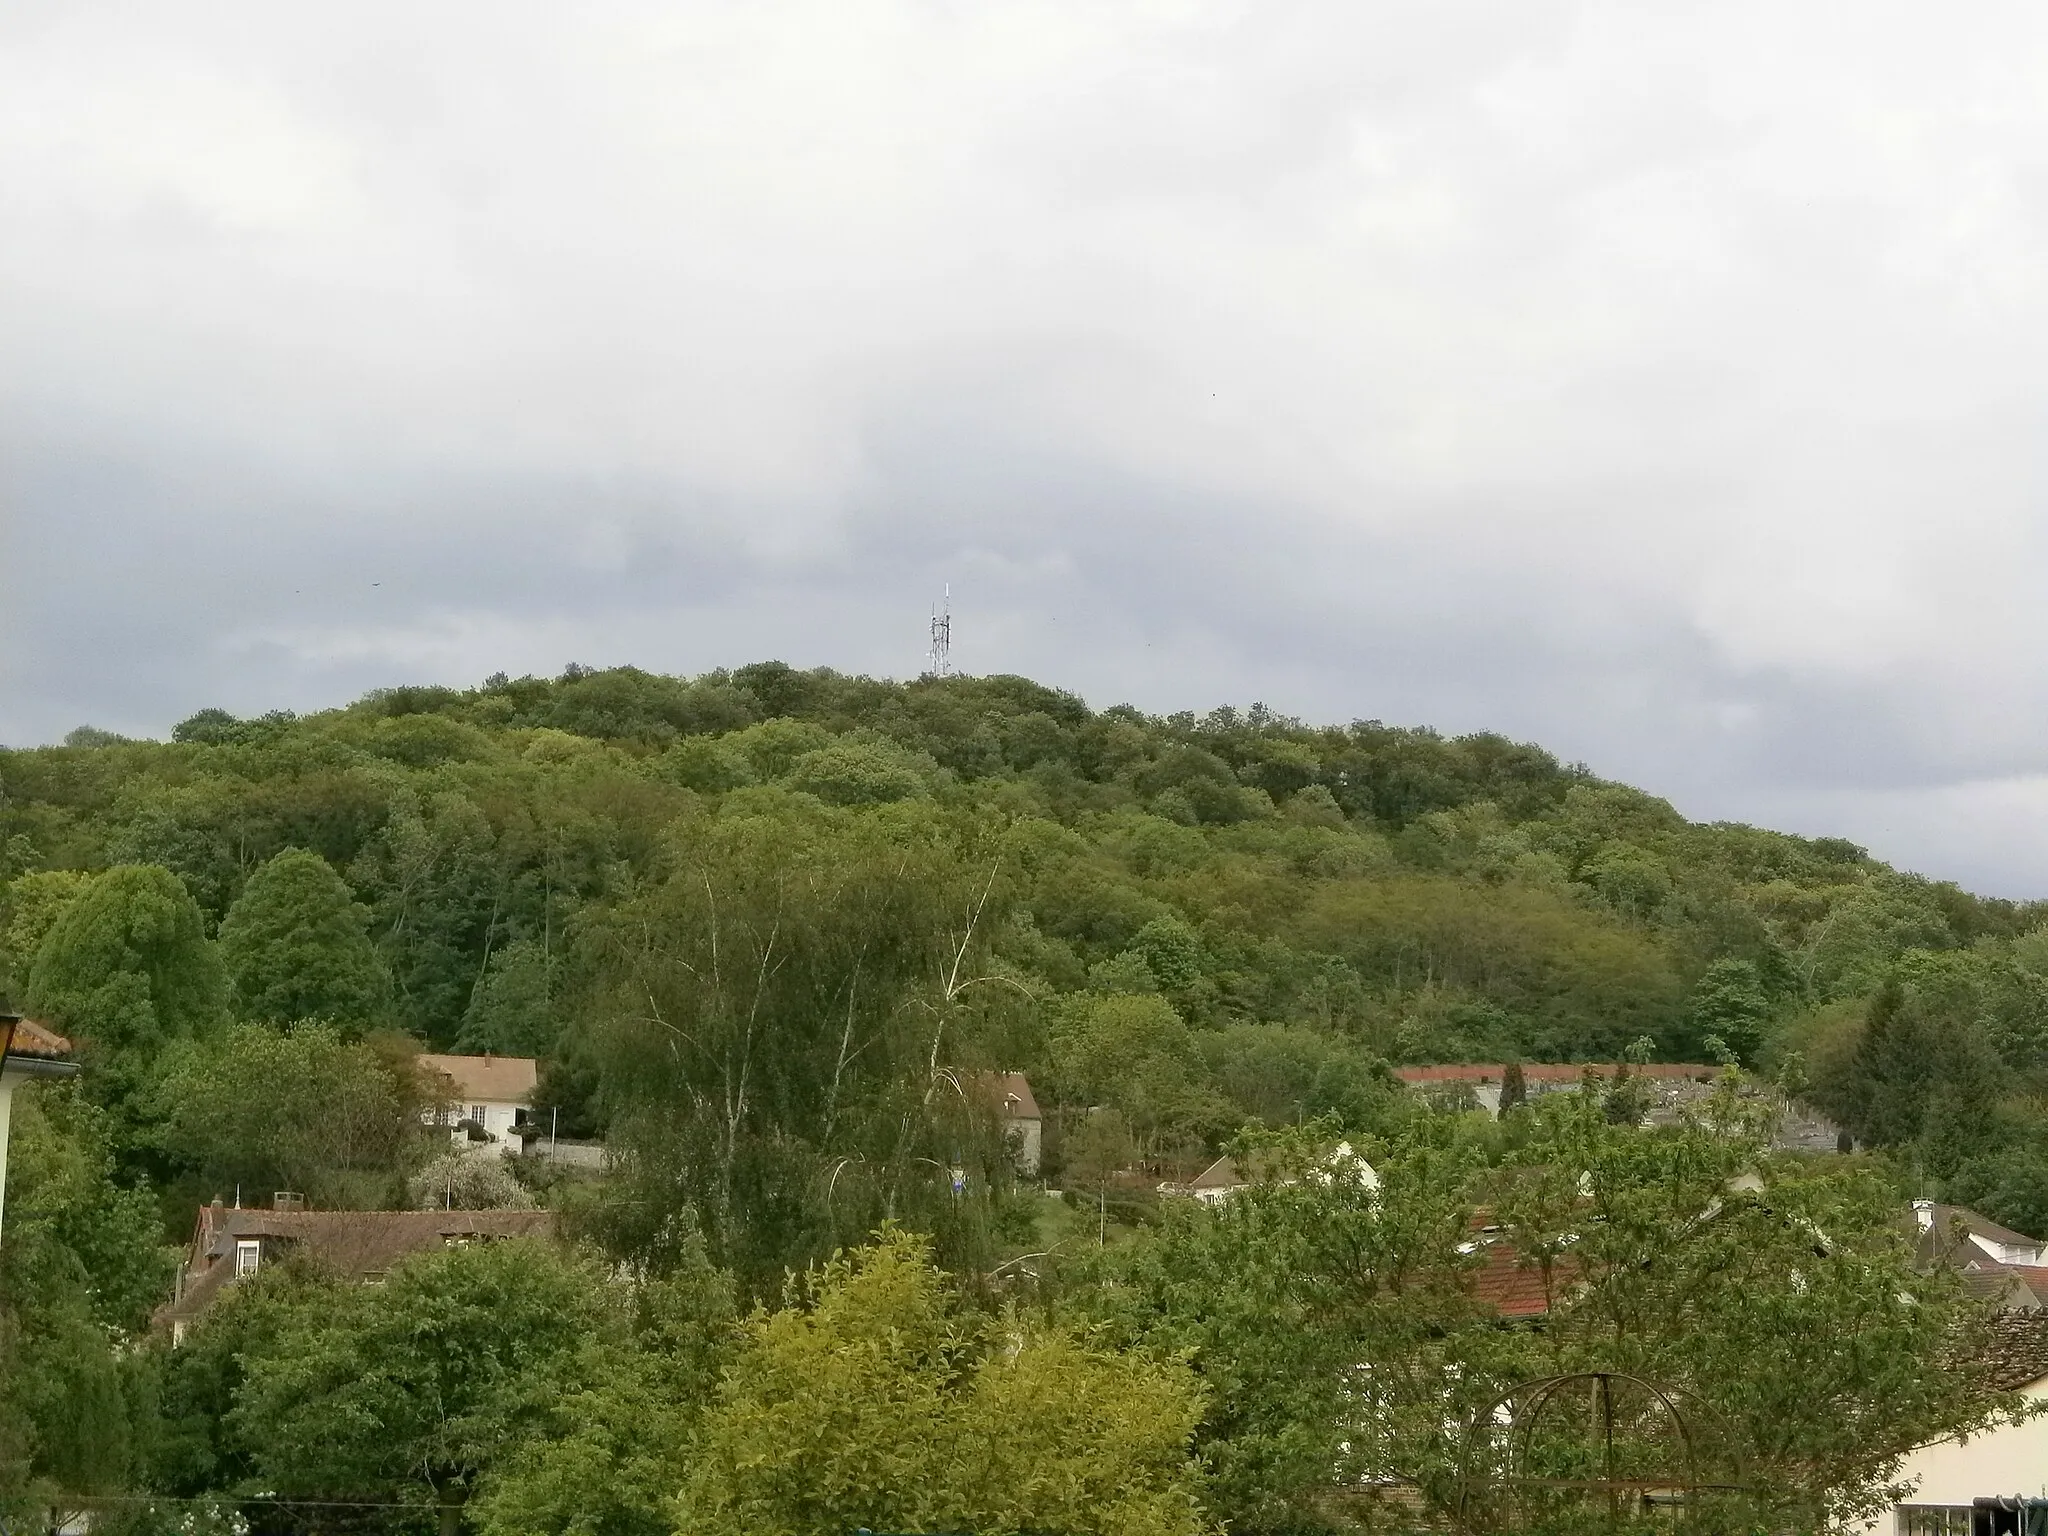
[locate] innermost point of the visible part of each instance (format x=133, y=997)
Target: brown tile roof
x=37, y=1041
x=486, y=1079
x=2015, y=1350
x=358, y=1245
x=1547, y=1072
x=1014, y=1096
x=1010, y=1091
x=1947, y=1216
x=1221, y=1174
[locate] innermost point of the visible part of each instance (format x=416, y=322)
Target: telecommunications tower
x=942, y=637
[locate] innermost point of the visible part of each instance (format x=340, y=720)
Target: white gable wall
x=2000, y=1463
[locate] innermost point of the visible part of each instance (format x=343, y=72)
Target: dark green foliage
x=514, y=1012
x=296, y=946
x=1514, y=1088
x=254, y=1109
x=81, y=1268
x=1729, y=1004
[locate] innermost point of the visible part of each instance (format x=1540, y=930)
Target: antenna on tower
x=942, y=637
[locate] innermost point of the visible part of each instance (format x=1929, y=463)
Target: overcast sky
x=1660, y=382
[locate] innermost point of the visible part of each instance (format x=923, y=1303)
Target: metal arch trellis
x=1527, y=1404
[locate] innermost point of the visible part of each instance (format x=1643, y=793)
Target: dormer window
x=248, y=1256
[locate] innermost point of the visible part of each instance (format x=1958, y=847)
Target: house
x=1224, y=1177
x=27, y=1050
x=487, y=1096
x=1962, y=1487
x=1213, y=1185
x=1009, y=1094
x=1997, y=1264
x=231, y=1243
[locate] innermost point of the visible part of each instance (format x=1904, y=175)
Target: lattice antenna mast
x=942, y=637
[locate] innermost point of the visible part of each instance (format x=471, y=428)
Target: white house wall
x=498, y=1119
x=2000, y=1463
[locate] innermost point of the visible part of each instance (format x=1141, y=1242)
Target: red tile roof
x=37, y=1041
x=1509, y=1288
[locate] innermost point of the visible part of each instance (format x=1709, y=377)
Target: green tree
x=296, y=946
x=1655, y=1256
x=1136, y=1053
x=613, y=1452
x=31, y=904
x=876, y=1402
x=414, y=1389
x=467, y=1181
x=1729, y=1001
x=783, y=1013
x=858, y=773
x=81, y=1267
x=127, y=969
x=262, y=1109
x=514, y=1012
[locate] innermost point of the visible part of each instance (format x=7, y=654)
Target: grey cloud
x=1654, y=383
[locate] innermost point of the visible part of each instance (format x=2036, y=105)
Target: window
x=476, y=1113
x=248, y=1254
x=1934, y=1520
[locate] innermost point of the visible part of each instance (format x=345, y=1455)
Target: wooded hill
x=764, y=927
x=1198, y=920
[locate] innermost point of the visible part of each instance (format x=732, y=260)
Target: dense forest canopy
x=763, y=928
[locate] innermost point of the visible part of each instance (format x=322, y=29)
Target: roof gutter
x=27, y=1066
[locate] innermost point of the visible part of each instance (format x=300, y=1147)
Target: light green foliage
x=859, y=773
x=773, y=748
x=263, y=1109
x=1865, y=929
x=873, y=1401
x=1652, y=1264
x=295, y=947
x=460, y=1180
x=1136, y=1053
x=31, y=904
x=127, y=969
